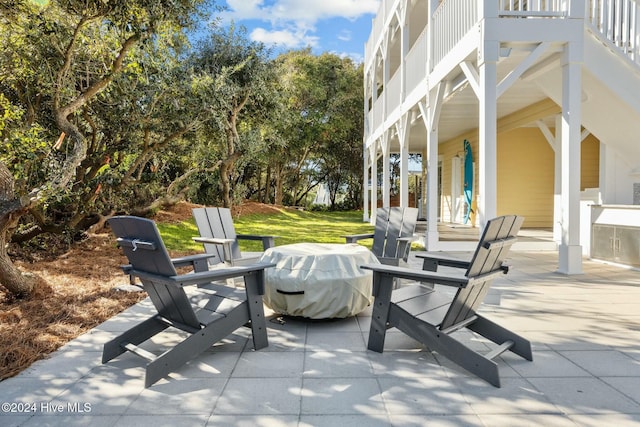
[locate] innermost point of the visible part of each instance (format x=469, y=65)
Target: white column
x=368, y=92
x=488, y=131
x=423, y=190
x=402, y=128
x=431, y=116
x=386, y=171
x=365, y=193
x=432, y=237
x=557, y=183
x=405, y=120
x=373, y=157
x=404, y=175
x=570, y=251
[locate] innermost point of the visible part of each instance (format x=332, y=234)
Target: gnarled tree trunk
x=11, y=209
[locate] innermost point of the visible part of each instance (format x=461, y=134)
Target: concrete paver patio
x=586, y=369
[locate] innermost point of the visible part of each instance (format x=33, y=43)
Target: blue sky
x=337, y=26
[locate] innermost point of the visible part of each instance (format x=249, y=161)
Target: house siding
x=525, y=174
x=590, y=161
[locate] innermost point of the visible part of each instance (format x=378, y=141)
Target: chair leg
x=452, y=349
x=382, y=289
x=498, y=335
x=195, y=344
x=136, y=335
x=468, y=359
x=254, y=287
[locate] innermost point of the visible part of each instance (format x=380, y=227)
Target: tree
x=322, y=124
x=56, y=61
x=236, y=75
x=341, y=154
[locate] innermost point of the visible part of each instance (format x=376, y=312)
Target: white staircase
x=611, y=95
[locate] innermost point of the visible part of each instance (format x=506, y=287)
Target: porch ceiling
x=460, y=110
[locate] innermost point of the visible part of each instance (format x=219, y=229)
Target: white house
x=546, y=91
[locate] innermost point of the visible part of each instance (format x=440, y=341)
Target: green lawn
x=292, y=226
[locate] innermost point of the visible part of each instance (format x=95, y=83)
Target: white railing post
x=618, y=21
x=635, y=33
x=487, y=9
x=576, y=9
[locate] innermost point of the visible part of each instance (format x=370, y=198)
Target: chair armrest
x=212, y=240
x=184, y=261
x=225, y=243
x=191, y=259
x=203, y=277
x=352, y=238
x=267, y=241
x=455, y=280
x=431, y=262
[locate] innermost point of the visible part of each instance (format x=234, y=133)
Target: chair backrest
x=140, y=241
x=217, y=223
x=391, y=224
x=494, y=245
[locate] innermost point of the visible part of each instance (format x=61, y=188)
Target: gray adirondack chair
x=207, y=311
x=218, y=235
x=392, y=235
x=431, y=316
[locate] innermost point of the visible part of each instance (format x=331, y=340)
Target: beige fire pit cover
x=318, y=281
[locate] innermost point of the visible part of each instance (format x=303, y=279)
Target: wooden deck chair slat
x=203, y=223
x=380, y=231
x=227, y=229
x=394, y=230
x=392, y=234
x=217, y=223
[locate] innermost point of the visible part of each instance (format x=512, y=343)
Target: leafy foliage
x=106, y=107
x=323, y=123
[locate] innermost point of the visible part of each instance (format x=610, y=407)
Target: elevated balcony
x=531, y=35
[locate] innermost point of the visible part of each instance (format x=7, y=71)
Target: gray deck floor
x=586, y=369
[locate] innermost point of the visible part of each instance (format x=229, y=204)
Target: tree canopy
x=106, y=107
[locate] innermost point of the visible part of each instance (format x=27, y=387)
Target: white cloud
x=308, y=11
x=356, y=57
x=344, y=35
x=283, y=38
x=293, y=22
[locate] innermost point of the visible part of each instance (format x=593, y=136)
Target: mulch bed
x=77, y=293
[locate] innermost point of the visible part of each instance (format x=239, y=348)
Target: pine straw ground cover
x=78, y=294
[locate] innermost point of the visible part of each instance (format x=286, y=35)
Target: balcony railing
x=393, y=91
x=526, y=8
x=386, y=9
x=416, y=61
x=617, y=21
x=451, y=21
x=378, y=116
